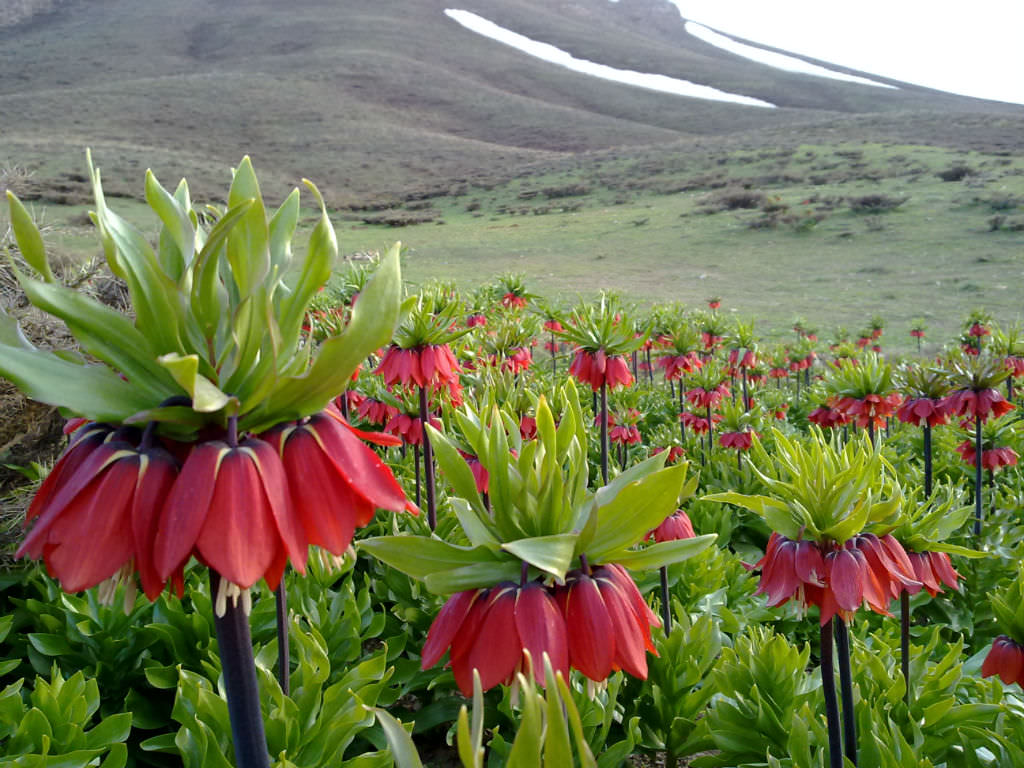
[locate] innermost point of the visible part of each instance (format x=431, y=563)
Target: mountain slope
x=385, y=99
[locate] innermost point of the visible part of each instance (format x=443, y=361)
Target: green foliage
x=53, y=725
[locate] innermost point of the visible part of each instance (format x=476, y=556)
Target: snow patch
x=773, y=59
x=553, y=55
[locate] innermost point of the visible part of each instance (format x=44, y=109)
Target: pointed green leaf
x=472, y=576
x=552, y=554
x=455, y=468
x=419, y=556
x=399, y=741
x=475, y=524
x=177, y=226
x=28, y=238
x=93, y=391
x=206, y=397
x=635, y=510
x=662, y=553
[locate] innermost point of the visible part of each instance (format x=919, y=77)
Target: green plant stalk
x=666, y=607
x=416, y=465
x=284, y=671
x=905, y=642
x=554, y=354
x=977, y=475
x=828, y=688
x=682, y=407
x=604, y=432
x=650, y=370
x=927, y=460
x=746, y=393
x=428, y=462
x=842, y=635
x=711, y=433
x=239, y=669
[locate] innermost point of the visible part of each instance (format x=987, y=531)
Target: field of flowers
x=306, y=519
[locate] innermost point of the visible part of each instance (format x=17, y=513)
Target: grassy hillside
x=401, y=115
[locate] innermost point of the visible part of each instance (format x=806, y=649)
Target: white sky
x=973, y=49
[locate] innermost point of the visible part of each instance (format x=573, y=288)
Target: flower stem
x=239, y=669
x=284, y=671
x=842, y=634
x=416, y=461
x=428, y=462
x=682, y=407
x=828, y=688
x=977, y=475
x=666, y=607
x=905, y=641
x=927, y=460
x=604, y=432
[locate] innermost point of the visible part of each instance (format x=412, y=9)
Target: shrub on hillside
x=875, y=203
x=955, y=173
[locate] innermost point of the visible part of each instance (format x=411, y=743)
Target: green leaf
x=248, y=251
x=209, y=297
x=112, y=729
x=419, y=556
x=206, y=397
x=552, y=554
x=104, y=333
x=455, y=468
x=116, y=758
x=663, y=553
x=28, y=238
x=177, y=226
x=636, y=510
x=399, y=741
x=50, y=645
x=373, y=323
x=473, y=576
x=477, y=526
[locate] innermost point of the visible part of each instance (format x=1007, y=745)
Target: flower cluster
x=1006, y=659
x=675, y=527
x=596, y=622
x=991, y=458
x=121, y=500
x=838, y=579
x=597, y=368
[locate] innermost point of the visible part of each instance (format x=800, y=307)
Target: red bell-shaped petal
x=493, y=646
x=155, y=481
x=542, y=629
x=629, y=641
x=184, y=512
x=590, y=628
x=1005, y=659
x=446, y=625
x=846, y=579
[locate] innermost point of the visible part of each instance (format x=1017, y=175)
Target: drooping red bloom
x=376, y=411
x=1006, y=659
x=933, y=569
x=96, y=512
x=826, y=416
x=335, y=482
x=870, y=408
x=432, y=366
x=675, y=452
x=747, y=360
x=778, y=373
x=488, y=629
x=474, y=320
x=710, y=340
x=978, y=330
x=608, y=622
x=978, y=403
x=517, y=360
x=991, y=459
x=924, y=410
x=553, y=325
x=409, y=427
x=230, y=508
x=624, y=434
x=703, y=398
x=741, y=441
x=597, y=368
x=917, y=333
x=513, y=301
x=480, y=473
x=838, y=579
x=1015, y=366
x=528, y=427
x=673, y=528
x=677, y=365
x=699, y=424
